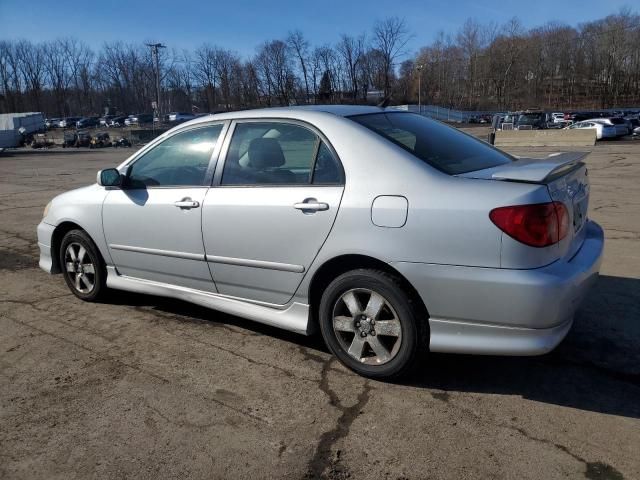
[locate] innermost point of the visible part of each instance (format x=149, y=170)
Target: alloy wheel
x=366, y=326
x=80, y=268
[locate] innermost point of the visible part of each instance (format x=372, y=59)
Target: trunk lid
x=566, y=179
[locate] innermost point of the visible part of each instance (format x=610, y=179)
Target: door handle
x=187, y=203
x=310, y=205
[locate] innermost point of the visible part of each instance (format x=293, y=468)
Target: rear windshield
x=443, y=147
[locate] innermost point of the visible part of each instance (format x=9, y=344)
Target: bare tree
x=10, y=77
x=469, y=40
x=275, y=72
x=80, y=69
x=206, y=71
x=300, y=48
x=390, y=37
x=351, y=51
x=32, y=69
x=595, y=64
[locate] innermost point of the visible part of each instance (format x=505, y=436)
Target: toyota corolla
x=389, y=232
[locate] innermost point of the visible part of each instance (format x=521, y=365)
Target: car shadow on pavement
x=189, y=312
x=596, y=368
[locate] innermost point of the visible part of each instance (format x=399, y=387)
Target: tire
x=82, y=266
x=350, y=333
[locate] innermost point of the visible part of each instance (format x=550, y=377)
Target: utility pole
x=154, y=53
x=419, y=68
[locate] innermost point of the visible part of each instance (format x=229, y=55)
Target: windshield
x=529, y=119
x=445, y=148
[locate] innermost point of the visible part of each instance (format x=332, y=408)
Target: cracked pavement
x=145, y=387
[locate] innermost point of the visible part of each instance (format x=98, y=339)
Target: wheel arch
x=336, y=266
x=56, y=241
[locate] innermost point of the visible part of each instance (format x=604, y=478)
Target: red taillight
x=537, y=225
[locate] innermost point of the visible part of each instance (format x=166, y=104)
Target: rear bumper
x=45, y=234
x=505, y=311
x=461, y=337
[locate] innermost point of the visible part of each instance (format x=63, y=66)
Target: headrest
x=265, y=153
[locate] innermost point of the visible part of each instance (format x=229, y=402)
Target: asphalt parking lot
x=143, y=387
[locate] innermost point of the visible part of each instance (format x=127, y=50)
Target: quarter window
x=180, y=160
x=327, y=170
x=273, y=153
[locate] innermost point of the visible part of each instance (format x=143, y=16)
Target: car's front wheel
x=82, y=266
x=370, y=323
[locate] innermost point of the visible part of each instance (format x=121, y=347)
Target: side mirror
x=109, y=177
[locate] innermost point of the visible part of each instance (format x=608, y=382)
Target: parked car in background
x=104, y=121
x=558, y=117
x=139, y=119
x=602, y=129
x=100, y=140
x=536, y=120
x=68, y=122
x=121, y=142
x=619, y=123
x=146, y=118
x=52, y=122
x=118, y=121
x=635, y=126
x=629, y=124
x=389, y=232
x=78, y=138
x=87, y=122
x=177, y=117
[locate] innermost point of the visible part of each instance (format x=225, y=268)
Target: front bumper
x=45, y=236
x=504, y=311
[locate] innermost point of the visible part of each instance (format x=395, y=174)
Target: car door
x=271, y=208
x=153, y=223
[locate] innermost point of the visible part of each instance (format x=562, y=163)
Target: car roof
x=305, y=112
x=341, y=110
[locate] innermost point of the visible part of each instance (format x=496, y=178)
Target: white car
x=602, y=129
x=139, y=119
x=618, y=123
x=68, y=122
x=558, y=117
x=52, y=122
x=180, y=117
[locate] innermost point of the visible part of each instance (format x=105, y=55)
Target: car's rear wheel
x=370, y=324
x=82, y=266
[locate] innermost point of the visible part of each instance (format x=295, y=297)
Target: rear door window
x=275, y=153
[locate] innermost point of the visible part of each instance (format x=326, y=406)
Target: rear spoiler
x=539, y=170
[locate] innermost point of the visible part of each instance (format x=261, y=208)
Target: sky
x=241, y=25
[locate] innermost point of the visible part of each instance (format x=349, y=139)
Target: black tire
x=92, y=256
x=398, y=305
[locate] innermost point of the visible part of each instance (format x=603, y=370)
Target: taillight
x=538, y=225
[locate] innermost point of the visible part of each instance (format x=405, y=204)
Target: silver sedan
x=387, y=231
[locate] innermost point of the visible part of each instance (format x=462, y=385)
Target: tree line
x=480, y=67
